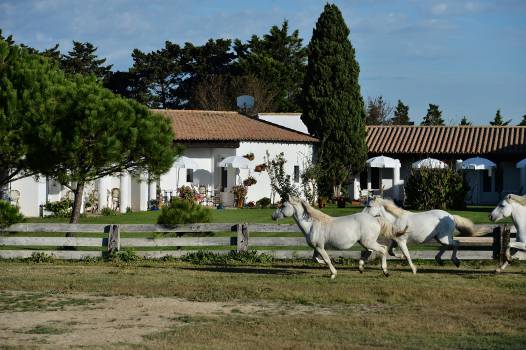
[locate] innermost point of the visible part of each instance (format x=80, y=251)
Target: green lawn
x=479, y=215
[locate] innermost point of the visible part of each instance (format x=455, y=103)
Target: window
x=189, y=175
x=296, y=173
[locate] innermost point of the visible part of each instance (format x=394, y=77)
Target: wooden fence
x=478, y=248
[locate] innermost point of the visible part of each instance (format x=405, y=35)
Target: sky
x=469, y=57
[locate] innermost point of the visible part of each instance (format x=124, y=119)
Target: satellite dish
x=245, y=102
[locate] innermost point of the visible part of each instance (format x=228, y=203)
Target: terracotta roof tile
x=194, y=125
x=404, y=139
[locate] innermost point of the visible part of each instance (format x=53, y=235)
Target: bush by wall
x=436, y=189
x=9, y=214
x=61, y=208
x=182, y=211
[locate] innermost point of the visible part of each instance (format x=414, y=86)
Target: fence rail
x=479, y=248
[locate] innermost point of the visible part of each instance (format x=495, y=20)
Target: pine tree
x=465, y=121
x=333, y=108
x=433, y=116
x=27, y=93
x=401, y=114
x=523, y=121
x=498, y=121
x=94, y=133
x=278, y=59
x=82, y=59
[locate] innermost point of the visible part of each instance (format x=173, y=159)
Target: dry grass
x=283, y=305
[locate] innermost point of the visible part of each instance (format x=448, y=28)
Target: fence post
x=114, y=239
x=496, y=243
x=242, y=237
x=504, y=244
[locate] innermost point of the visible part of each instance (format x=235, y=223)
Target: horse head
x=285, y=210
x=505, y=208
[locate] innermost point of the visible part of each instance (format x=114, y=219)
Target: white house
x=208, y=137
x=211, y=136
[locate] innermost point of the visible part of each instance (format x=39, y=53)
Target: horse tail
x=387, y=229
x=466, y=226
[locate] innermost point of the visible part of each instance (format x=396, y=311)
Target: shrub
x=263, y=202
x=233, y=257
x=436, y=189
x=107, y=211
x=182, y=211
x=40, y=257
x=126, y=255
x=61, y=208
x=188, y=193
x=9, y=214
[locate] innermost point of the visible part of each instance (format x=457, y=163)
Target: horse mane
x=315, y=213
x=392, y=208
x=518, y=199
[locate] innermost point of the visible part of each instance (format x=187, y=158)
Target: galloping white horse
x=421, y=227
x=514, y=206
x=323, y=231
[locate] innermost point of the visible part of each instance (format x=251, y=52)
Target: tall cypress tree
x=333, y=107
x=523, y=121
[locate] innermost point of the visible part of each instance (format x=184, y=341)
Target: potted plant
x=340, y=201
x=240, y=192
x=249, y=156
x=260, y=167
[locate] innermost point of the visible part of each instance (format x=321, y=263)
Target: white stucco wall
x=288, y=120
x=32, y=194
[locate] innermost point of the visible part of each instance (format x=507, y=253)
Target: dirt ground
x=65, y=320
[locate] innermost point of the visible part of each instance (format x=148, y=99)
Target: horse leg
x=364, y=256
x=502, y=267
x=316, y=257
x=405, y=251
x=327, y=259
x=382, y=250
x=438, y=257
x=449, y=241
x=391, y=249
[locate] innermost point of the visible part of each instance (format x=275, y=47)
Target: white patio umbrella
x=521, y=164
x=235, y=162
x=429, y=163
x=184, y=163
x=383, y=162
x=478, y=163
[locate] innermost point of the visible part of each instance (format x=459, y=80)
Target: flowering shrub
x=188, y=193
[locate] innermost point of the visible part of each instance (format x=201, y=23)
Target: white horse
x=514, y=206
x=323, y=231
x=421, y=227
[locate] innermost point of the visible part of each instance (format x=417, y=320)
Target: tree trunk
x=77, y=203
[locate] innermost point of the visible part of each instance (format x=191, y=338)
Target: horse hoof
x=440, y=262
x=386, y=274
x=360, y=269
x=457, y=263
x=414, y=272
x=333, y=277
x=498, y=270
